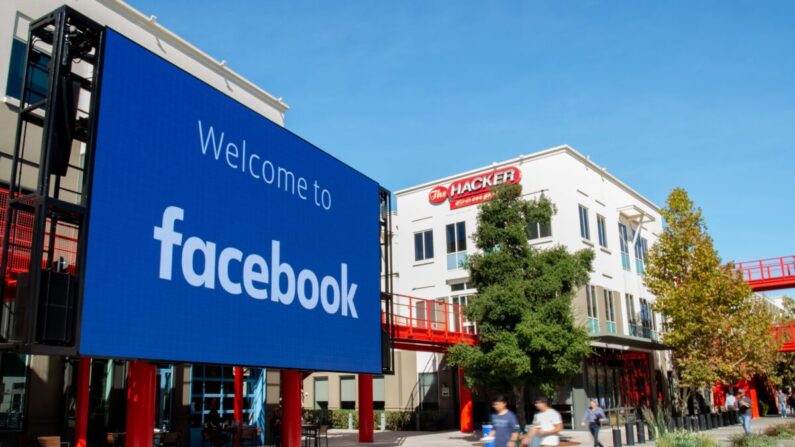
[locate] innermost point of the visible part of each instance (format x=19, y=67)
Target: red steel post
x=291, y=408
x=81, y=401
x=365, y=408
x=140, y=404
x=465, y=404
x=238, y=404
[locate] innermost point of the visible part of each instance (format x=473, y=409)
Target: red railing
x=428, y=325
x=21, y=240
x=784, y=333
x=769, y=274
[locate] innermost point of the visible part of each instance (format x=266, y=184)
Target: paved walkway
x=349, y=438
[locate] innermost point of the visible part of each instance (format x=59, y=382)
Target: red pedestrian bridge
x=769, y=274
x=420, y=324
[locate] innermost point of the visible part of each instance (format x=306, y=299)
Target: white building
x=434, y=224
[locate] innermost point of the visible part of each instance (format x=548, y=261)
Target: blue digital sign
x=217, y=236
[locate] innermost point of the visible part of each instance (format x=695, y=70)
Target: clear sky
x=663, y=94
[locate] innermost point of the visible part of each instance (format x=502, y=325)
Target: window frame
x=456, y=245
x=601, y=230
x=585, y=225
x=426, y=245
x=345, y=404
x=623, y=234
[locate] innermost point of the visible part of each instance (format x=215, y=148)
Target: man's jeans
x=594, y=427
x=782, y=410
x=745, y=419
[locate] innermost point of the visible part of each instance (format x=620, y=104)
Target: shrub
x=656, y=422
x=781, y=431
x=686, y=439
x=398, y=420
x=764, y=407
x=751, y=440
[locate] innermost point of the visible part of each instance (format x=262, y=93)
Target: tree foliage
x=715, y=329
x=527, y=335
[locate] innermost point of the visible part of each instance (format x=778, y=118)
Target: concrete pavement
x=349, y=438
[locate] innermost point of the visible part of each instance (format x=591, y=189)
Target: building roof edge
x=562, y=149
x=213, y=64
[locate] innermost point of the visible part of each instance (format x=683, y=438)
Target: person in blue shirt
x=505, y=424
x=593, y=417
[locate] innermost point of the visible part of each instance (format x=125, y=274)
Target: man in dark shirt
x=504, y=422
x=744, y=407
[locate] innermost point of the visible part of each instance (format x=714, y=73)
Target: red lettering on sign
x=438, y=194
x=475, y=189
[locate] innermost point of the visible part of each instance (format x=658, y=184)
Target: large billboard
x=217, y=236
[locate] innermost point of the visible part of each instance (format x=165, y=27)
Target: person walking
x=744, y=408
x=505, y=424
x=593, y=417
x=547, y=423
x=731, y=407
x=781, y=399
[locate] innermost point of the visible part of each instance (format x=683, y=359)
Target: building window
x=37, y=74
x=378, y=393
x=640, y=255
x=585, y=229
x=460, y=286
x=13, y=372
x=538, y=230
x=429, y=391
x=623, y=238
x=610, y=314
x=460, y=322
x=320, y=392
x=647, y=320
x=348, y=392
x=213, y=386
x=634, y=325
x=601, y=229
x=593, y=312
x=423, y=245
x=456, y=246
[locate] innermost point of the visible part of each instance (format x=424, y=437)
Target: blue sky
x=663, y=94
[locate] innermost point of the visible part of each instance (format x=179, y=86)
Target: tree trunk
x=521, y=415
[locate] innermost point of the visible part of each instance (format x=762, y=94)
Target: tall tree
x=716, y=330
x=527, y=335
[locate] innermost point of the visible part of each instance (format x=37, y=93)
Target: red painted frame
x=769, y=274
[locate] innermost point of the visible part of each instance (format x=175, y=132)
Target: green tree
x=714, y=327
x=527, y=335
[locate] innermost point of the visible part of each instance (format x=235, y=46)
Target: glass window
x=585, y=230
x=429, y=391
x=600, y=228
x=459, y=286
x=37, y=76
x=378, y=393
x=538, y=230
x=348, y=392
x=456, y=246
x=13, y=371
x=593, y=315
x=623, y=239
x=610, y=315
x=321, y=393
x=213, y=386
x=640, y=255
x=423, y=245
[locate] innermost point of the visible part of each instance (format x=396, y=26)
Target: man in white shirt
x=546, y=426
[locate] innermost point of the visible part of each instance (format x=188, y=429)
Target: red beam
x=291, y=408
x=140, y=404
x=81, y=402
x=365, y=408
